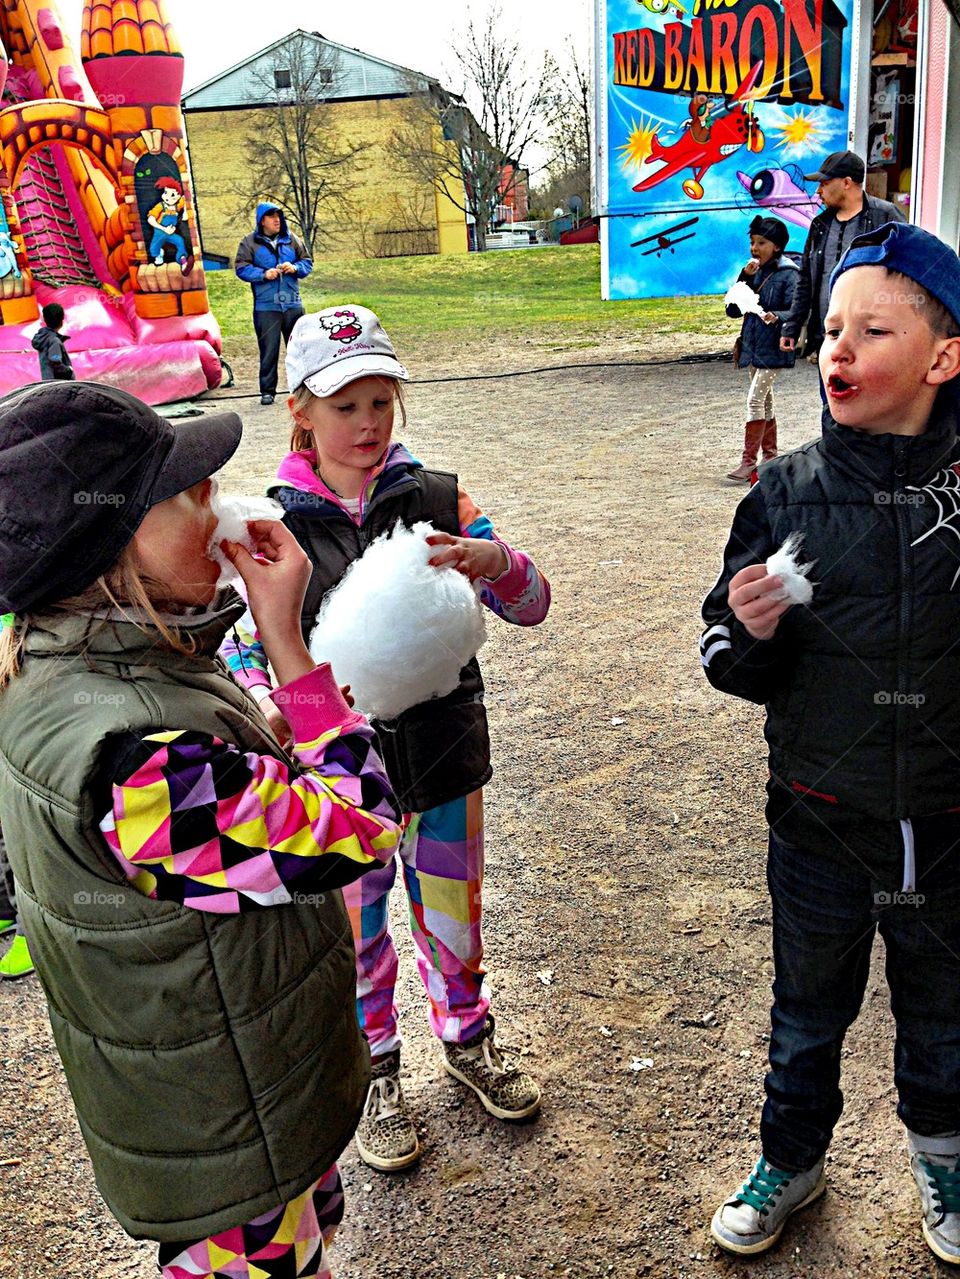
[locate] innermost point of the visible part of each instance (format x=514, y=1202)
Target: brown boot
x=768, y=441
x=752, y=435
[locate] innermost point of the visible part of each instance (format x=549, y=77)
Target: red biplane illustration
x=663, y=240
x=733, y=127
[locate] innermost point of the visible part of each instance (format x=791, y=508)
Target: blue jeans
x=825, y=915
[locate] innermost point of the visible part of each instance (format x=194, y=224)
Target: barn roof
x=358, y=75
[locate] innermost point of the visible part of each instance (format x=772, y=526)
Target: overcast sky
x=416, y=34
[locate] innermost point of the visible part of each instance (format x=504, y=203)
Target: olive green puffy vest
x=214, y=1060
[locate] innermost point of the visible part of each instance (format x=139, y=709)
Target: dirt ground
x=627, y=921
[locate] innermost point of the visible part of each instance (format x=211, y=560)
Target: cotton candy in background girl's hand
x=233, y=514
x=744, y=298
x=397, y=630
x=783, y=564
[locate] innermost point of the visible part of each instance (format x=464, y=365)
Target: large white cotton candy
x=783, y=564
x=742, y=296
x=397, y=630
x=232, y=514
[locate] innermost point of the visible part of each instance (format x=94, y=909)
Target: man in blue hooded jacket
x=273, y=261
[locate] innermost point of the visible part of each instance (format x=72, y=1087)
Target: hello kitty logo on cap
x=330, y=349
x=343, y=326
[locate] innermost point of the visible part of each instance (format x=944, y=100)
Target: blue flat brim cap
x=81, y=464
x=912, y=252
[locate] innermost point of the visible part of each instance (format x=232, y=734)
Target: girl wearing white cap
x=345, y=482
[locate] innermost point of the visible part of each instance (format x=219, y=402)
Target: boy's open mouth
x=840, y=389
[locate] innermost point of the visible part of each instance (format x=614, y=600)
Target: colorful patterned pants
x=442, y=860
x=289, y=1242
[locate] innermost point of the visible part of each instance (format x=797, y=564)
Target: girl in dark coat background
x=774, y=278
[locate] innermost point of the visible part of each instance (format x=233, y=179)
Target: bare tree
x=475, y=157
x=570, y=121
x=296, y=153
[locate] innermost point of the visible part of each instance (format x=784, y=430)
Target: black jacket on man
x=861, y=686
x=805, y=308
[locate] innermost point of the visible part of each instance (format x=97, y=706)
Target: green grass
x=502, y=291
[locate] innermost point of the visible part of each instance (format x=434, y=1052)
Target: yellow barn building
x=364, y=100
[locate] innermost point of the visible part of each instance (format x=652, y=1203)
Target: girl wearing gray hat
x=773, y=278
x=177, y=868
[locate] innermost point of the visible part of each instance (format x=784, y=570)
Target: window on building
x=282, y=78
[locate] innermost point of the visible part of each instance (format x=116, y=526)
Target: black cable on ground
x=708, y=357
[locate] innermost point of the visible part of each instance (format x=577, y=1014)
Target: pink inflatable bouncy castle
x=96, y=210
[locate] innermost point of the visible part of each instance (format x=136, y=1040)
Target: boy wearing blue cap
x=862, y=693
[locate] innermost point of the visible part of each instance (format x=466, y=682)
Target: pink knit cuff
x=313, y=704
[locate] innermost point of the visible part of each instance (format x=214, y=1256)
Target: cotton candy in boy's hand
x=397, y=630
x=232, y=515
x=783, y=564
x=744, y=298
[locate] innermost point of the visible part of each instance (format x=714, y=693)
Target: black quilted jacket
x=862, y=686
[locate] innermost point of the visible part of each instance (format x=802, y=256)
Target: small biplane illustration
x=708, y=139
x=663, y=240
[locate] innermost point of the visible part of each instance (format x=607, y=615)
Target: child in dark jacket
x=862, y=694
x=345, y=483
x=774, y=278
x=50, y=345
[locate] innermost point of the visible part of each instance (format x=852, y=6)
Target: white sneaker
x=935, y=1164
x=753, y=1218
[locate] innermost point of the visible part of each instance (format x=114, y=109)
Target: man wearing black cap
x=847, y=212
x=273, y=261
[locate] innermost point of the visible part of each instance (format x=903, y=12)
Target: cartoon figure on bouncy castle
x=97, y=210
x=8, y=256
x=165, y=219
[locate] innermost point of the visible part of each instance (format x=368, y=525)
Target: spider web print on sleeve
x=944, y=489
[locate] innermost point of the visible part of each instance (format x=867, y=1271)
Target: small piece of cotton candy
x=397, y=630
x=783, y=564
x=743, y=297
x=232, y=515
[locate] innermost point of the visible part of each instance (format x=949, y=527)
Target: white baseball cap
x=332, y=348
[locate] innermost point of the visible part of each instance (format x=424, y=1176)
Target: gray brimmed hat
x=80, y=466
x=330, y=349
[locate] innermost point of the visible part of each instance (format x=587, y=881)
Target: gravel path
x=628, y=930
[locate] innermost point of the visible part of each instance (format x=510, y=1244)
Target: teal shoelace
x=946, y=1185
x=764, y=1184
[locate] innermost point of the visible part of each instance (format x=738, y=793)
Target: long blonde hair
x=123, y=588
x=301, y=437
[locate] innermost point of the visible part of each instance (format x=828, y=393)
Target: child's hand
x=769, y=317
x=749, y=596
x=752, y=267
x=472, y=556
x=276, y=720
x=276, y=578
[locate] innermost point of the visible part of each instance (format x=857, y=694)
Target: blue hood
x=262, y=208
